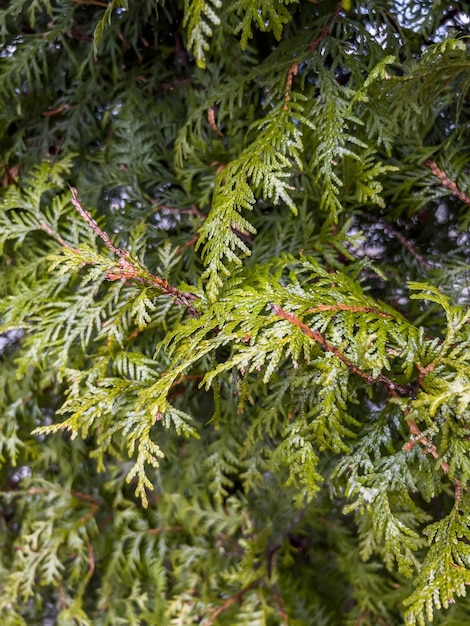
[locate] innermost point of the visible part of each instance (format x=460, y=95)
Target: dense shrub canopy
x=235, y=340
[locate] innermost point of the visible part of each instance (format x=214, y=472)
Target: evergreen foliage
x=235, y=312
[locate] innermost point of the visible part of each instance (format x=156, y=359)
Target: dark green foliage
x=235, y=323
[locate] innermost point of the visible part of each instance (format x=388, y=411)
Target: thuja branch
x=294, y=68
x=349, y=307
x=232, y=600
x=419, y=437
x=393, y=232
x=447, y=182
x=128, y=268
x=52, y=233
x=314, y=45
x=94, y=225
x=405, y=390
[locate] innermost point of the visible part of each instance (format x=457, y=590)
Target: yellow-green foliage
x=234, y=315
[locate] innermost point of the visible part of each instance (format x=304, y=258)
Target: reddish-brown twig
x=62, y=599
x=419, y=437
x=85, y=497
x=235, y=598
x=280, y=605
x=47, y=229
x=94, y=226
x=405, y=390
x=212, y=122
x=188, y=244
x=388, y=228
x=57, y=111
x=406, y=244
x=314, y=45
x=10, y=174
x=294, y=68
x=91, y=561
x=447, y=182
x=349, y=307
x=127, y=268
x=424, y=371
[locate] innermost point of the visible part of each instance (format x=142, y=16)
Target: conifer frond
x=25, y=210
x=106, y=20
x=265, y=163
x=445, y=573
x=445, y=61
x=200, y=16
x=297, y=454
x=38, y=6
x=331, y=425
x=264, y=14
x=43, y=545
x=148, y=454
x=368, y=172
x=334, y=137
x=214, y=417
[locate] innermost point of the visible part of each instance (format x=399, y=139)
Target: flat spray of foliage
x=235, y=325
